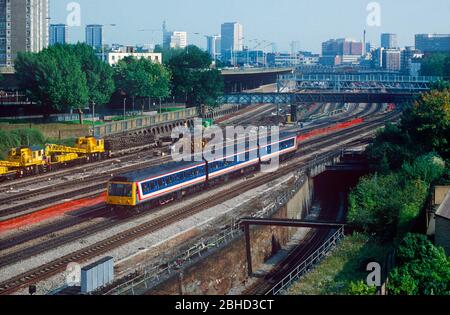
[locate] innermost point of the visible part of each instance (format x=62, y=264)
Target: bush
x=391, y=148
x=29, y=137
x=17, y=138
x=423, y=269
x=373, y=206
x=8, y=141
x=360, y=288
x=427, y=168
x=386, y=205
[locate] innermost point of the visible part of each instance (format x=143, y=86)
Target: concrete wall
x=221, y=271
x=142, y=122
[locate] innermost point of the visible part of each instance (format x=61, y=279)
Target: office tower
x=94, y=36
x=232, y=37
x=389, y=41
x=433, y=43
x=178, y=39
x=411, y=61
x=391, y=59
x=341, y=47
x=58, y=34
x=23, y=27
x=343, y=50
x=213, y=45
x=175, y=39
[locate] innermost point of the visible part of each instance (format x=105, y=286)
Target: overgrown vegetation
x=407, y=160
x=386, y=205
x=342, y=271
x=26, y=137
x=422, y=268
x=19, y=137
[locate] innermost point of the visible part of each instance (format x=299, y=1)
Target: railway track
x=24, y=182
x=127, y=236
x=130, y=235
x=313, y=240
x=95, y=183
x=19, y=184
x=308, y=147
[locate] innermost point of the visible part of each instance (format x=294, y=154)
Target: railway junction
x=45, y=228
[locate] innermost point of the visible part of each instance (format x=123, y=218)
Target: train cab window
x=120, y=190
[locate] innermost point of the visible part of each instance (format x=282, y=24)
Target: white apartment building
x=115, y=57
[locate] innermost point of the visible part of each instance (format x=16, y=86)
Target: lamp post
x=93, y=118
x=124, y=106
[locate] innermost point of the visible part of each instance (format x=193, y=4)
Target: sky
x=308, y=22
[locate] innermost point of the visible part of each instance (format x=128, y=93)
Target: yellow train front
x=154, y=185
x=121, y=194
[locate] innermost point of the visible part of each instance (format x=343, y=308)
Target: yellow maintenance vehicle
x=24, y=161
x=32, y=160
x=86, y=148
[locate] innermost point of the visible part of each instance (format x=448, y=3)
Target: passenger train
x=160, y=184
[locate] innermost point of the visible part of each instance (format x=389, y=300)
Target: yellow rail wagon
x=24, y=161
x=86, y=148
x=32, y=160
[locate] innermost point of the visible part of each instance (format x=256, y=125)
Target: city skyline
x=261, y=22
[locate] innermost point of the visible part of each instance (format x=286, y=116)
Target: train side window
x=160, y=183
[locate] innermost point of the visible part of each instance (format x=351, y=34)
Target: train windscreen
x=120, y=190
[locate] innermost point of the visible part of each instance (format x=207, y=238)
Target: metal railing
x=307, y=264
x=382, y=78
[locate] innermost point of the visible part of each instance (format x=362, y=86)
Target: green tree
x=142, y=78
x=427, y=121
x=422, y=268
x=436, y=65
x=193, y=79
x=386, y=205
x=390, y=149
x=53, y=79
x=167, y=54
x=427, y=168
x=373, y=205
x=441, y=85
x=99, y=75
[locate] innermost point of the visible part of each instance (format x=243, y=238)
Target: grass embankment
x=26, y=137
x=408, y=159
x=344, y=265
